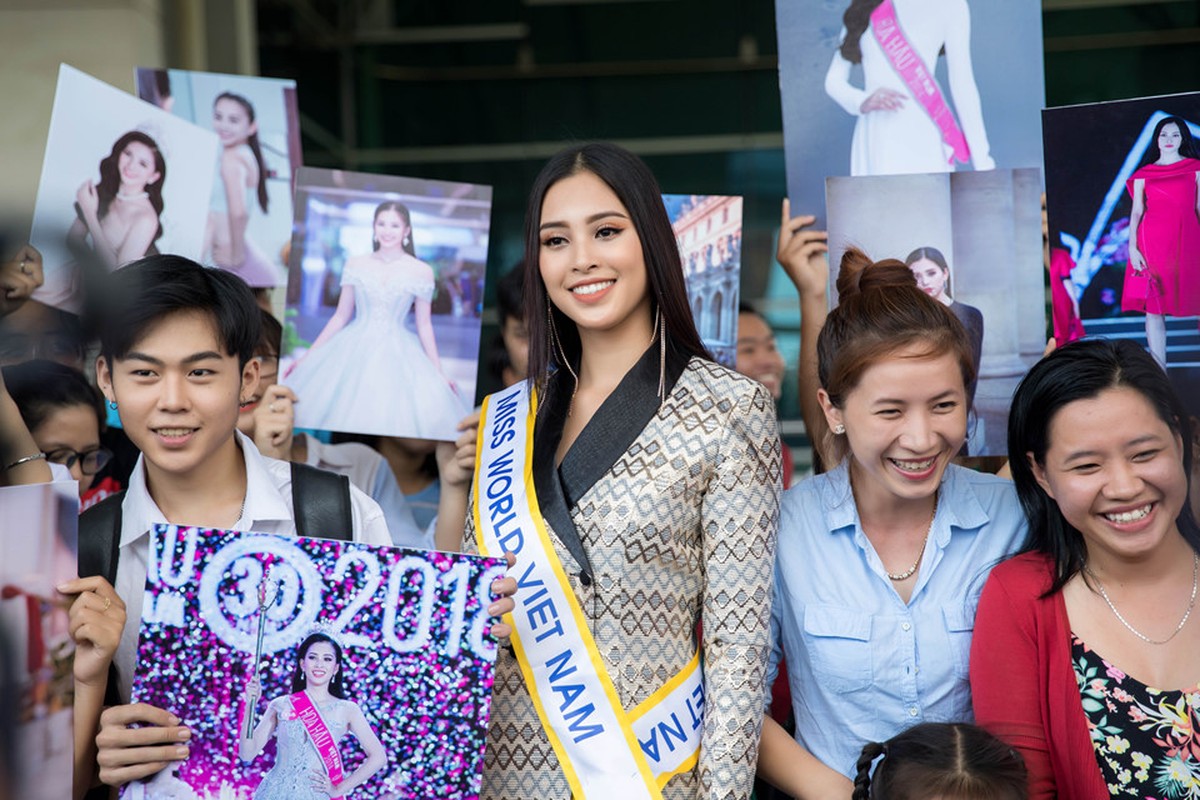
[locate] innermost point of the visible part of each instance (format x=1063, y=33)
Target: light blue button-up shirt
x=862, y=664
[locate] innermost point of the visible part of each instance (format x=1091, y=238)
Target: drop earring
x=112, y=404
x=556, y=346
x=661, y=332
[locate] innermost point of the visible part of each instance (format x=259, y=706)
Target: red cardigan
x=1023, y=685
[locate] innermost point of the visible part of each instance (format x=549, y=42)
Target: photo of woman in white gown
x=366, y=372
x=905, y=122
x=308, y=727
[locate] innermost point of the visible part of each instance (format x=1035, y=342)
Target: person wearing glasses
x=65, y=415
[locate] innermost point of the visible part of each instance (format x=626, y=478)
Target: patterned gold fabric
x=679, y=531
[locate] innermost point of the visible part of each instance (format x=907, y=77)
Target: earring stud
x=839, y=429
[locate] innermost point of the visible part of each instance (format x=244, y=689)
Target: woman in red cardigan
x=1086, y=655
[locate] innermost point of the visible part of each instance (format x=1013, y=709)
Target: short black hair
x=142, y=293
x=41, y=387
x=270, y=339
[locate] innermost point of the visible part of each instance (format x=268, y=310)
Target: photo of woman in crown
x=309, y=726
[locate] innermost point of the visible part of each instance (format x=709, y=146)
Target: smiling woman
x=1086, y=646
x=656, y=474
x=881, y=560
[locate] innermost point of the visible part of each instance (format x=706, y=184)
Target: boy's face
x=178, y=392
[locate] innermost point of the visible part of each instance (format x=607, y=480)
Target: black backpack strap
x=100, y=538
x=321, y=503
x=99, y=550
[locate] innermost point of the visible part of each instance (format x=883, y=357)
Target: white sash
x=604, y=751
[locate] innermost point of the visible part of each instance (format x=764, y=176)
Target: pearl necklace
x=134, y=196
x=1191, y=604
x=908, y=573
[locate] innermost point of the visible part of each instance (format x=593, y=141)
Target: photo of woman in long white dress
x=308, y=726
x=905, y=121
x=366, y=371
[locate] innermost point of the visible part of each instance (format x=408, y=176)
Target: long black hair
x=1187, y=144
x=856, y=21
x=41, y=387
x=110, y=176
x=940, y=759
x=337, y=685
x=251, y=140
x=1082, y=370
x=402, y=210
x=635, y=186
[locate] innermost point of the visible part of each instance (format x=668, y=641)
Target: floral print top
x=1147, y=741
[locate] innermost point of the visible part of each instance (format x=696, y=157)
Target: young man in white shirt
x=176, y=341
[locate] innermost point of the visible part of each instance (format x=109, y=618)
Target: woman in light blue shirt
x=880, y=561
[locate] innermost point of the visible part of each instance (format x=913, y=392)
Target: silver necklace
x=1191, y=604
x=908, y=573
x=133, y=196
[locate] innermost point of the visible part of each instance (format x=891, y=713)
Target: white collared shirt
x=268, y=509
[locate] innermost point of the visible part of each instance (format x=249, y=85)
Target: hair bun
x=858, y=274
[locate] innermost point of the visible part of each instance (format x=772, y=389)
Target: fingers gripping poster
x=374, y=676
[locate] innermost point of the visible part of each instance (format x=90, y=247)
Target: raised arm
x=21, y=460
x=962, y=83
x=738, y=519
x=249, y=747
x=803, y=254
x=88, y=201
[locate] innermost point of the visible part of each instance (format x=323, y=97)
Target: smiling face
x=232, y=123
x=1115, y=469
x=178, y=393
x=757, y=356
x=905, y=420
x=931, y=278
x=590, y=257
x=1169, y=139
x=137, y=168
x=319, y=665
x=389, y=229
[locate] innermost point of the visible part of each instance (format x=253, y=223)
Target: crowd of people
x=894, y=626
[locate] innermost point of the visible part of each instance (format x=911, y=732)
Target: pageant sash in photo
x=321, y=738
x=604, y=751
x=918, y=79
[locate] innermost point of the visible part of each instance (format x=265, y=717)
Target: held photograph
x=972, y=241
x=384, y=302
x=121, y=179
x=894, y=87
x=257, y=122
x=312, y=668
x=1123, y=226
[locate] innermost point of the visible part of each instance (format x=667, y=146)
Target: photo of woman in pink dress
x=1163, y=275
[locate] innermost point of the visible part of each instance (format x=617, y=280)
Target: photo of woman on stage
x=1163, y=275
x=905, y=122
x=657, y=474
x=308, y=726
x=241, y=186
x=367, y=371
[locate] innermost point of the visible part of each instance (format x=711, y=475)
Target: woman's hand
x=253, y=689
x=505, y=587
x=95, y=622
x=1136, y=259
x=801, y=253
x=88, y=199
x=274, y=420
x=883, y=99
x=321, y=784
x=456, y=460
x=20, y=276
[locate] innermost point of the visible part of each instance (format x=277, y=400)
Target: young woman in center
x=881, y=560
x=657, y=474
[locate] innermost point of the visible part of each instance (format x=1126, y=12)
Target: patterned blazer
x=664, y=519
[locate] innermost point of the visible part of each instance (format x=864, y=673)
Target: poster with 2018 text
x=375, y=666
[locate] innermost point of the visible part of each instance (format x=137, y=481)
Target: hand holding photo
x=330, y=669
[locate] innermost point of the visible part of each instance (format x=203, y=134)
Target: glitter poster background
x=418, y=654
